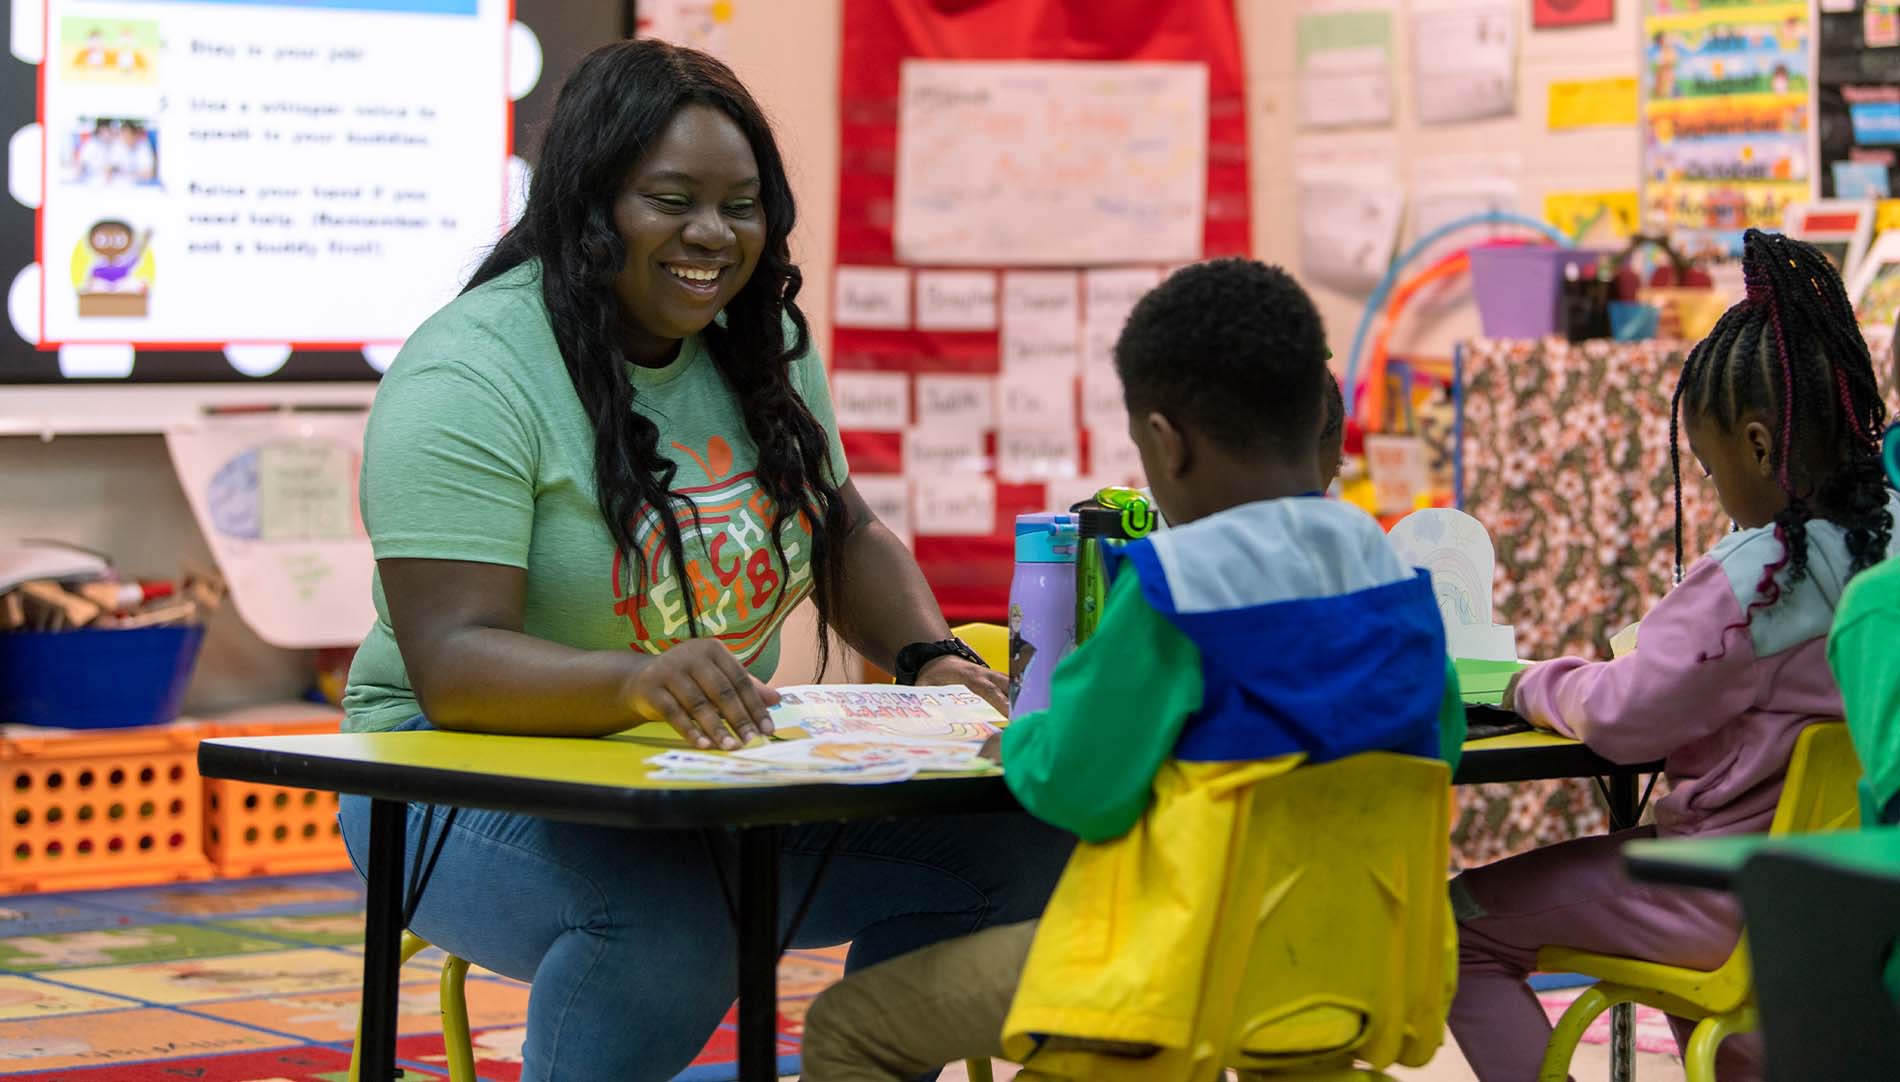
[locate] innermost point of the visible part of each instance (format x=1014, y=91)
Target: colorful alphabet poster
x=1725, y=132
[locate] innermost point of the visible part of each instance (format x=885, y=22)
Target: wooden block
x=73, y=610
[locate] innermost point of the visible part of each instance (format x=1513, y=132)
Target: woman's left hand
x=953, y=671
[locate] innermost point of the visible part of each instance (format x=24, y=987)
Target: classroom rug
x=256, y=981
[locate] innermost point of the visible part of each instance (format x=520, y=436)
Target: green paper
x=1483, y=682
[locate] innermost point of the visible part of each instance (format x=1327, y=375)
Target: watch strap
x=912, y=659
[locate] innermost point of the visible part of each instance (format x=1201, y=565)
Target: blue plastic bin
x=96, y=679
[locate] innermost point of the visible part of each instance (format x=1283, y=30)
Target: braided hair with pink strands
x=1792, y=354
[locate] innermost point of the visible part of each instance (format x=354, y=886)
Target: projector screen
x=234, y=191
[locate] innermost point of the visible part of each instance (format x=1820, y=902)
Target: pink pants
x=1574, y=894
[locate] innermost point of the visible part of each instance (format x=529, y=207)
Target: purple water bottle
x=1041, y=606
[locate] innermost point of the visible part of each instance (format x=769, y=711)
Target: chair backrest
x=1821, y=935
x=1821, y=792
x=1335, y=937
x=990, y=641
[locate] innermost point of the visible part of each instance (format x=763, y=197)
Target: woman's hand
x=703, y=692
x=953, y=671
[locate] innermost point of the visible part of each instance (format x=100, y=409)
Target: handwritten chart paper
x=1464, y=63
x=1040, y=163
x=1345, y=64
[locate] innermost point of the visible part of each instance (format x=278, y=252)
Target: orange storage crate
x=268, y=829
x=90, y=809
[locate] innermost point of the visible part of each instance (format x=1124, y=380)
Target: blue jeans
x=626, y=937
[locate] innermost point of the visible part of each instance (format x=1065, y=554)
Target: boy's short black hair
x=1232, y=349
x=1333, y=421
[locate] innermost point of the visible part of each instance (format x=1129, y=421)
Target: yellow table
x=608, y=782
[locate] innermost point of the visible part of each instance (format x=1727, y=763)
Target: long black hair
x=612, y=109
x=1792, y=351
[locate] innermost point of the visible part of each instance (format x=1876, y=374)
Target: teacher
x=596, y=483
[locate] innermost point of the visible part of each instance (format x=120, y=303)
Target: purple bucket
x=1520, y=288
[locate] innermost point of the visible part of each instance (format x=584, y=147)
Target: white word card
x=1035, y=400
x=1041, y=313
x=1112, y=454
x=873, y=400
x=1037, y=454
x=956, y=300
x=873, y=298
x=1102, y=402
x=940, y=450
x=1113, y=291
x=954, y=506
x=963, y=401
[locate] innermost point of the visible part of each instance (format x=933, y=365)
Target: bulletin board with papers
x=1012, y=181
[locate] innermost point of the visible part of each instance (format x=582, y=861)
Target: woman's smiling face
x=693, y=226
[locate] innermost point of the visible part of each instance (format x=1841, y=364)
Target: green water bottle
x=1113, y=516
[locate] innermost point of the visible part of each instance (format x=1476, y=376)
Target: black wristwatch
x=912, y=659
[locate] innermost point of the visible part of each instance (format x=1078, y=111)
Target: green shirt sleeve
x=1866, y=662
x=448, y=469
x=1087, y=764
x=1451, y=720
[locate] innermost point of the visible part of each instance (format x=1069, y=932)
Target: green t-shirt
x=1864, y=651
x=478, y=449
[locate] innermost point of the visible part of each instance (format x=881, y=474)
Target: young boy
x=1316, y=637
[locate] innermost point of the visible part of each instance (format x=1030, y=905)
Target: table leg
x=1623, y=813
x=758, y=954
x=382, y=941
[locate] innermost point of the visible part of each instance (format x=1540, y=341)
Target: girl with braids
x=619, y=436
x=1781, y=410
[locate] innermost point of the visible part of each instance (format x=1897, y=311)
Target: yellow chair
x=1335, y=943
x=1819, y=795
x=1332, y=940
x=989, y=641
x=456, y=1042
